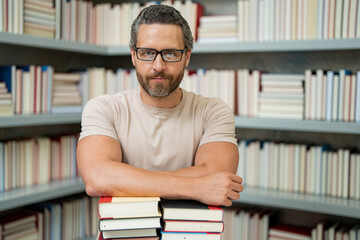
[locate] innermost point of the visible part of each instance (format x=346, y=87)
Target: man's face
x=159, y=78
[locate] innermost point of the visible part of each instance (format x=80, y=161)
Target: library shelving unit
x=341, y=207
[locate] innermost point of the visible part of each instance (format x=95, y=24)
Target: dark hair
x=162, y=14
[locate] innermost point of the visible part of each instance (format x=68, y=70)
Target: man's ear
x=133, y=56
x=187, y=57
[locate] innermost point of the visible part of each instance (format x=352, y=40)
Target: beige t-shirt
x=155, y=138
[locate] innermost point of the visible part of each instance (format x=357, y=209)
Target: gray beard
x=160, y=90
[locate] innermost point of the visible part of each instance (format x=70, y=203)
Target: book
x=190, y=236
x=190, y=210
x=129, y=223
x=133, y=233
x=290, y=232
x=193, y=226
x=128, y=207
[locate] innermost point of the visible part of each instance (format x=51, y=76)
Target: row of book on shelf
x=300, y=168
x=30, y=162
x=244, y=223
x=257, y=20
x=314, y=95
x=68, y=218
x=83, y=21
x=287, y=20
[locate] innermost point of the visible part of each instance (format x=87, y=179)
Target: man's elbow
x=92, y=189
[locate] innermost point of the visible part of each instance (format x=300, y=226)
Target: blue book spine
x=7, y=75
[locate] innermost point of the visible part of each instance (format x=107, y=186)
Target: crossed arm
x=212, y=180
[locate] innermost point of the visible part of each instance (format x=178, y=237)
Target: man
x=159, y=140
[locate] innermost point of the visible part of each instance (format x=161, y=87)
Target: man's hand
x=218, y=188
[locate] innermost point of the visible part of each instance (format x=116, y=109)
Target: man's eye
x=149, y=53
x=169, y=53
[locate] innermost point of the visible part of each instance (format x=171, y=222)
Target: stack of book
x=6, y=106
x=24, y=225
x=129, y=217
x=191, y=220
x=66, y=95
x=39, y=18
x=221, y=28
x=282, y=96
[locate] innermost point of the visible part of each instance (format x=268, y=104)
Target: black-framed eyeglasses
x=168, y=55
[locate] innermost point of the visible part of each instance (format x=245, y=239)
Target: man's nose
x=158, y=63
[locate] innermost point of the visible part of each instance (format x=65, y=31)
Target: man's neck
x=168, y=102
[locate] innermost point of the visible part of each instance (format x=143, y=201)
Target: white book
x=287, y=19
x=338, y=18
x=352, y=177
x=334, y=174
x=302, y=175
x=240, y=26
x=345, y=19
x=357, y=94
x=308, y=104
x=323, y=169
x=261, y=22
x=346, y=173
x=329, y=173
x=325, y=19
x=37, y=94
x=331, y=22
x=320, y=19
x=340, y=181
x=358, y=21
x=2, y=16
x=276, y=162
x=293, y=16
x=357, y=180
x=352, y=18
x=243, y=76
x=352, y=98
x=346, y=101
x=314, y=99
x=310, y=171
x=329, y=94
x=10, y=16
x=317, y=169
x=335, y=101
x=341, y=97
x=318, y=93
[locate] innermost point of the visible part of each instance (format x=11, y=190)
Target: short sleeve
x=98, y=118
x=219, y=123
